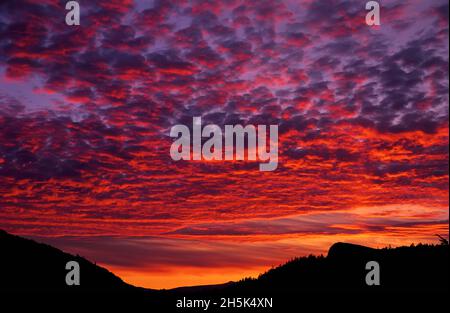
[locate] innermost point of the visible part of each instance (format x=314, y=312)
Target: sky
x=86, y=112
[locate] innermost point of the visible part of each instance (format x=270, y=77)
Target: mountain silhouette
x=417, y=268
x=26, y=265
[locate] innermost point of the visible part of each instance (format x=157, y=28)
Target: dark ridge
x=417, y=268
x=342, y=249
x=28, y=265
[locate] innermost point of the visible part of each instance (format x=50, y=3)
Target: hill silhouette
x=26, y=265
x=417, y=268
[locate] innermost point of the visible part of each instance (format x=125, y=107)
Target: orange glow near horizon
x=167, y=278
x=166, y=266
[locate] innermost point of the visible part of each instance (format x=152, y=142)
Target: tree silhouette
x=442, y=240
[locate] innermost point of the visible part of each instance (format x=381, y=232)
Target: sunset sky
x=86, y=112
